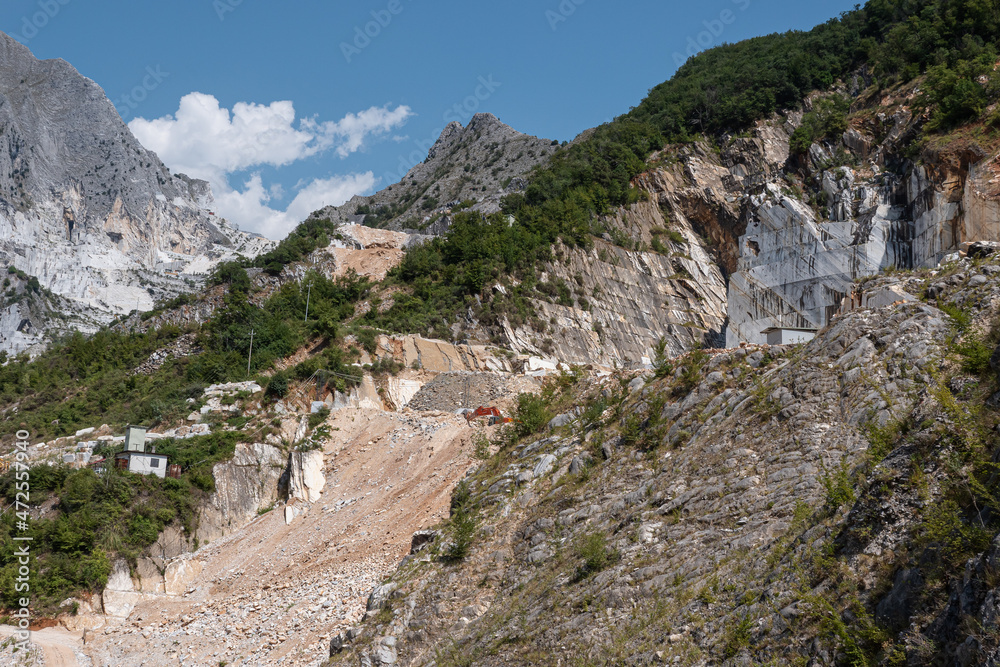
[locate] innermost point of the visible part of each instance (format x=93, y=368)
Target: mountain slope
x=832, y=503
x=477, y=164
x=716, y=100
x=826, y=504
x=84, y=208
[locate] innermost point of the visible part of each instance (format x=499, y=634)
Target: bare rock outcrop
x=243, y=486
x=84, y=208
x=120, y=597
x=305, y=475
x=653, y=275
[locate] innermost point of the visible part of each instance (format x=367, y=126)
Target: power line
x=308, y=295
x=250, y=356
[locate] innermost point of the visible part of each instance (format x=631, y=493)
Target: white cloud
x=329, y=192
x=249, y=206
x=206, y=141
x=350, y=132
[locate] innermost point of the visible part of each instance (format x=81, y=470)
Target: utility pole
x=250, y=356
x=308, y=296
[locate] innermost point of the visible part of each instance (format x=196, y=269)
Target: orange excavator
x=494, y=416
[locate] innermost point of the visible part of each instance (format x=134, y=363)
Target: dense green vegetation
x=377, y=216
x=84, y=382
x=827, y=120
x=445, y=275
x=716, y=93
x=306, y=238
x=116, y=514
x=728, y=88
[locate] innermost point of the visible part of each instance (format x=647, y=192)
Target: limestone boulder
x=305, y=475
x=180, y=574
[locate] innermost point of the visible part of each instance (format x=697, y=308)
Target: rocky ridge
x=777, y=507
x=84, y=208
x=477, y=165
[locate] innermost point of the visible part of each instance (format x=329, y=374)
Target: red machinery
x=494, y=416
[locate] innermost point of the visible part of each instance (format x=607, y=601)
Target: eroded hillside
x=832, y=503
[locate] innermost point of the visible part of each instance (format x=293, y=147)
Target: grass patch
x=463, y=524
x=737, y=637
x=839, y=486
x=597, y=556
x=881, y=439
x=690, y=376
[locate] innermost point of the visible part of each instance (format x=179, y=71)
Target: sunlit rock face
x=84, y=208
x=867, y=209
x=795, y=269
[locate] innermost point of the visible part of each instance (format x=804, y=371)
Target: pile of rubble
x=276, y=592
x=185, y=346
x=450, y=392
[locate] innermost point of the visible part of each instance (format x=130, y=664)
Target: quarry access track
x=275, y=592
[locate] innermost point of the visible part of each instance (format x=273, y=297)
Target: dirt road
x=273, y=592
x=59, y=648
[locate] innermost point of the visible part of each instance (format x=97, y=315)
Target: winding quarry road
x=58, y=645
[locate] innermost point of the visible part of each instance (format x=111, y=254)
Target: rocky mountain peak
x=60, y=132
x=479, y=162
x=84, y=207
x=448, y=136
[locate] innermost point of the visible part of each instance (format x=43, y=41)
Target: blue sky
x=367, y=85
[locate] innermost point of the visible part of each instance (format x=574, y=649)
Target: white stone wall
x=795, y=270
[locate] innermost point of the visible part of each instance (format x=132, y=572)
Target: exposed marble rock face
x=625, y=300
x=84, y=208
x=795, y=269
x=622, y=300
x=798, y=255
